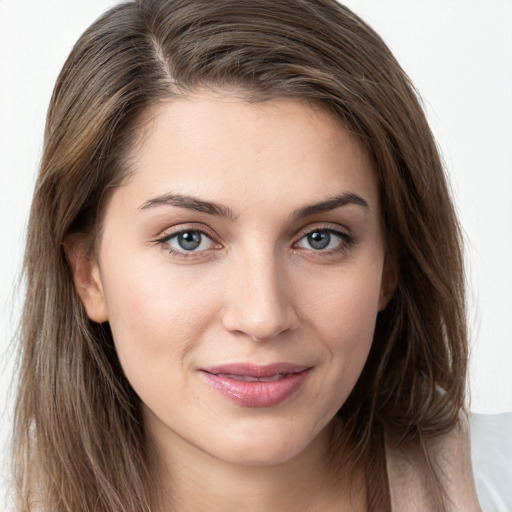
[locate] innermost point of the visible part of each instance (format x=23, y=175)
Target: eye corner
x=324, y=240
x=185, y=242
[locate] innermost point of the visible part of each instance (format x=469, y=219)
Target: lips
x=252, y=385
x=250, y=378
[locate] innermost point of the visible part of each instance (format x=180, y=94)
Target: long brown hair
x=79, y=439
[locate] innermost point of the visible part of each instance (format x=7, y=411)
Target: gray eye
x=189, y=240
x=319, y=239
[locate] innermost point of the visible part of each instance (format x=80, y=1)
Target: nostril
x=258, y=304
x=260, y=333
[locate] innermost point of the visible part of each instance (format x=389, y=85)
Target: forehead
x=277, y=149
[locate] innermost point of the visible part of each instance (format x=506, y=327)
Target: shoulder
x=412, y=481
x=491, y=452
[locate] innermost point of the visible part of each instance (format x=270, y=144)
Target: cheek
x=343, y=316
x=157, y=319
x=347, y=304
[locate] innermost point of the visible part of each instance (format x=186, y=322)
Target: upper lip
x=254, y=370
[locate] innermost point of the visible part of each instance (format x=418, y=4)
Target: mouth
x=250, y=378
x=252, y=385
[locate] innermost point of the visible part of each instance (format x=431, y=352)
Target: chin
x=266, y=446
x=257, y=456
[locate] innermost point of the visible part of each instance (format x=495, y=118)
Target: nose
x=259, y=299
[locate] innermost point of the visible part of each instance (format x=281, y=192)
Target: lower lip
x=256, y=394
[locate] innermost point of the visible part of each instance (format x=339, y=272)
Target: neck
x=190, y=480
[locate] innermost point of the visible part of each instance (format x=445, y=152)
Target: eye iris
x=319, y=239
x=189, y=240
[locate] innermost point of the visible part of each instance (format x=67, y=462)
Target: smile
x=249, y=385
x=250, y=378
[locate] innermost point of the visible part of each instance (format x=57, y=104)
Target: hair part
x=79, y=436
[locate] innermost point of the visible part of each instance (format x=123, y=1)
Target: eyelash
x=346, y=241
x=164, y=242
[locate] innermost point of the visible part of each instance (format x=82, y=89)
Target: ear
x=87, y=278
x=387, y=284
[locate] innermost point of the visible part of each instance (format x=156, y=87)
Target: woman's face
x=241, y=269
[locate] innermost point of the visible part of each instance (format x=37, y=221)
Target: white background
x=459, y=55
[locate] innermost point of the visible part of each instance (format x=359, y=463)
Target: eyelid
x=346, y=241
x=174, y=231
x=180, y=228
x=333, y=228
x=346, y=238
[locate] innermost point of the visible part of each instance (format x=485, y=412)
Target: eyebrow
x=191, y=203
x=211, y=208
x=345, y=199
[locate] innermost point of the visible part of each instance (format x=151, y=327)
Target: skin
x=255, y=290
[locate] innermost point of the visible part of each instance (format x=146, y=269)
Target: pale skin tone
x=289, y=265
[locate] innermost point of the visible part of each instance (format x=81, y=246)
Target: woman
x=245, y=284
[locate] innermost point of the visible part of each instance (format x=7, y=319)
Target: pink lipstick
x=251, y=385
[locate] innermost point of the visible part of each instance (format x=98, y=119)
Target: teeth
x=273, y=377
x=249, y=378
